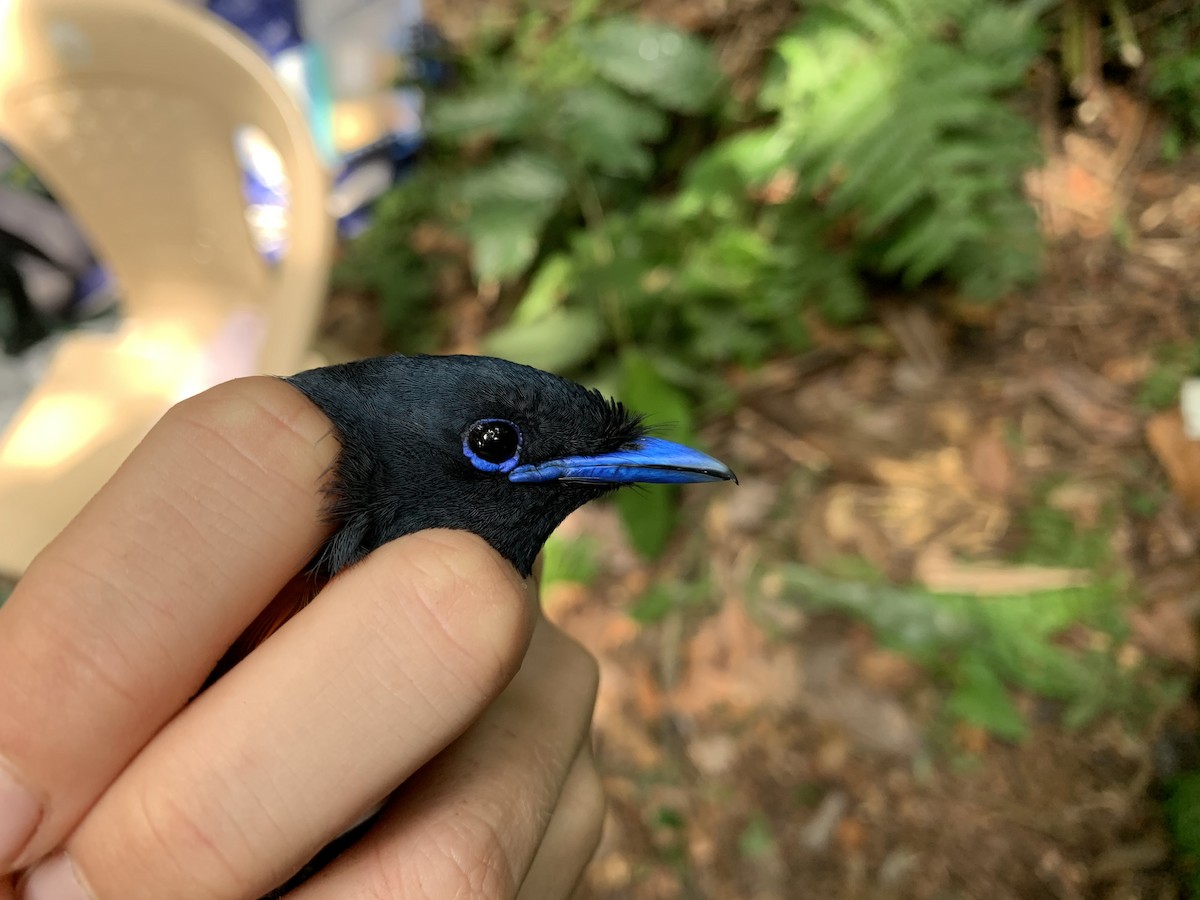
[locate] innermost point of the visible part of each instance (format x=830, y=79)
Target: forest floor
x=757, y=747
x=765, y=735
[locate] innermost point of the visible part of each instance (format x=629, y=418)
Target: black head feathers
x=474, y=443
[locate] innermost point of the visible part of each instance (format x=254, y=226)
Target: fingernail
x=19, y=815
x=55, y=879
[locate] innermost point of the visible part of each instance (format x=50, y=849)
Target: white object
x=1189, y=408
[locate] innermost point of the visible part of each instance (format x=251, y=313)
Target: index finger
x=119, y=620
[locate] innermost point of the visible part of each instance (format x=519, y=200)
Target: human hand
x=426, y=666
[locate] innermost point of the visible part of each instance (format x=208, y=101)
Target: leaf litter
x=793, y=753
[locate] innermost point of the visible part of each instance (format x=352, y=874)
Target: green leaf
x=906, y=619
x=981, y=699
x=504, y=239
x=608, y=129
x=501, y=111
x=670, y=818
x=949, y=65
x=730, y=264
x=558, y=342
x=649, y=513
x=645, y=391
x=742, y=161
x=571, y=560
x=652, y=606
x=757, y=838
x=1040, y=615
x=1174, y=363
x=1182, y=809
x=546, y=290
x=521, y=176
x=504, y=207
x=672, y=68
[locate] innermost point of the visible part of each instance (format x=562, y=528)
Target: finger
x=469, y=824
x=119, y=619
x=572, y=837
x=389, y=664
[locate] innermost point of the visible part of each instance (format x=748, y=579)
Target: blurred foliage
x=1161, y=39
x=893, y=113
x=1175, y=77
x=1182, y=808
x=664, y=597
x=643, y=230
x=384, y=261
x=984, y=648
x=1173, y=364
x=757, y=838
x=19, y=175
x=569, y=559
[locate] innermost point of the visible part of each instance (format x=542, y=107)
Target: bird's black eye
x=493, y=445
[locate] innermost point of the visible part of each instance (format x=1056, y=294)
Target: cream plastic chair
x=127, y=110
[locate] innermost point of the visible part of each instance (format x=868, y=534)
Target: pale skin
x=427, y=670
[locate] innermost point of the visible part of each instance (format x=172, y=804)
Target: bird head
x=478, y=444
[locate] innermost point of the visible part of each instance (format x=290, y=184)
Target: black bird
x=479, y=444
x=471, y=443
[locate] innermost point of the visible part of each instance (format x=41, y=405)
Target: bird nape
x=478, y=444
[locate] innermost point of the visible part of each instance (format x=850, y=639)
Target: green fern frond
x=897, y=114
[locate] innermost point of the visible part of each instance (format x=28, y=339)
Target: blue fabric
x=276, y=27
x=272, y=24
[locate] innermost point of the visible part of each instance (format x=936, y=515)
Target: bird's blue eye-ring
x=493, y=445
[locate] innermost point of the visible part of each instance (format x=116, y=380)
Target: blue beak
x=650, y=461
